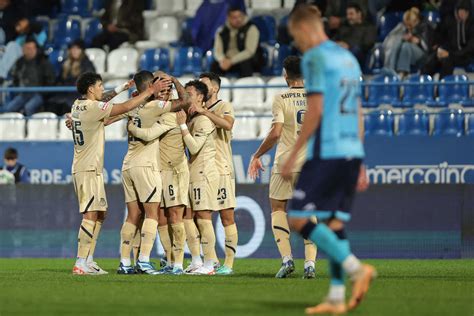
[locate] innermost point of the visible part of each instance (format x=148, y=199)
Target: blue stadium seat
x=383, y=94
x=454, y=93
x=154, y=59
x=413, y=122
x=432, y=17
x=97, y=5
x=266, y=24
x=387, y=22
x=417, y=91
x=379, y=123
x=279, y=53
x=375, y=60
x=449, y=122
x=208, y=60
x=470, y=125
x=76, y=7
x=470, y=67
x=56, y=57
x=66, y=31
x=93, y=28
x=187, y=60
x=186, y=32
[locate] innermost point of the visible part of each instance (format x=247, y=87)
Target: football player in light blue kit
x=333, y=128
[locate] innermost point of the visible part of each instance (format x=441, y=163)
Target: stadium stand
x=379, y=123
x=383, y=92
x=416, y=92
x=98, y=57
x=449, y=122
x=413, y=122
x=12, y=127
x=42, y=126
x=122, y=62
x=245, y=126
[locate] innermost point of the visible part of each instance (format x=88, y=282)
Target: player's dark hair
x=86, y=80
x=292, y=66
x=211, y=76
x=10, y=153
x=142, y=79
x=355, y=6
x=233, y=9
x=200, y=87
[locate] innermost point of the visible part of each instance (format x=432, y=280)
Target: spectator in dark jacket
x=12, y=165
x=121, y=24
x=31, y=70
x=454, y=42
x=10, y=14
x=408, y=43
x=355, y=34
x=236, y=46
x=76, y=63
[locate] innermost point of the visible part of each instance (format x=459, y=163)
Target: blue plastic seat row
x=448, y=122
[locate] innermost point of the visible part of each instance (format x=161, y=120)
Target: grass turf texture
x=404, y=287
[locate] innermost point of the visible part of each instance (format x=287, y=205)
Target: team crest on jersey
x=103, y=202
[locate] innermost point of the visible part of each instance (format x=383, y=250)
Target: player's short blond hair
x=305, y=13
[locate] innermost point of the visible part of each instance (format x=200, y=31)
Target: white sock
x=143, y=258
x=337, y=293
x=209, y=264
x=81, y=261
x=308, y=264
x=197, y=260
x=90, y=259
x=351, y=265
x=287, y=258
x=178, y=266
x=126, y=262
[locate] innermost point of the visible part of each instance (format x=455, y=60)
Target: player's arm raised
x=183, y=97
x=129, y=105
x=194, y=144
x=311, y=122
x=148, y=134
x=109, y=95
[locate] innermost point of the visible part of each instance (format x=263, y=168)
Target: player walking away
x=333, y=171
x=222, y=115
x=288, y=114
x=88, y=114
x=175, y=179
x=204, y=175
x=142, y=181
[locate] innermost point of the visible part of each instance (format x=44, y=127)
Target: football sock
x=231, y=239
x=84, y=238
x=179, y=237
x=281, y=232
x=310, y=252
x=95, y=237
x=126, y=235
x=165, y=242
x=337, y=293
x=137, y=239
x=192, y=238
x=148, y=235
x=208, y=241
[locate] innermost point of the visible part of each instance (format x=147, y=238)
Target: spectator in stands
x=408, y=43
x=355, y=34
x=336, y=11
x=10, y=14
x=236, y=48
x=19, y=171
x=454, y=42
x=122, y=21
x=76, y=63
x=31, y=70
x=13, y=51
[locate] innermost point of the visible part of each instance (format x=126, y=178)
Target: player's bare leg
x=208, y=242
x=193, y=239
x=165, y=234
x=148, y=236
x=231, y=240
x=330, y=237
x=127, y=235
x=281, y=233
x=175, y=220
x=85, y=239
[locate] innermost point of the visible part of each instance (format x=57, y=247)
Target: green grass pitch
x=404, y=287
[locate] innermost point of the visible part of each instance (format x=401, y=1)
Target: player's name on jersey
x=293, y=95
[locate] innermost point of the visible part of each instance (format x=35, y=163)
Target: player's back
x=172, y=150
x=333, y=71
x=289, y=109
x=89, y=134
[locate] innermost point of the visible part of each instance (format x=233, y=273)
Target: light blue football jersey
x=335, y=73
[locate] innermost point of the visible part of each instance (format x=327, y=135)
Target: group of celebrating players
x=178, y=169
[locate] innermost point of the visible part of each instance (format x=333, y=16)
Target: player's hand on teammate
x=287, y=169
x=363, y=180
x=130, y=126
x=129, y=84
x=254, y=168
x=196, y=109
x=161, y=85
x=181, y=117
x=68, y=121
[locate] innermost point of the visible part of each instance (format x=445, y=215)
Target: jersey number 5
x=77, y=133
